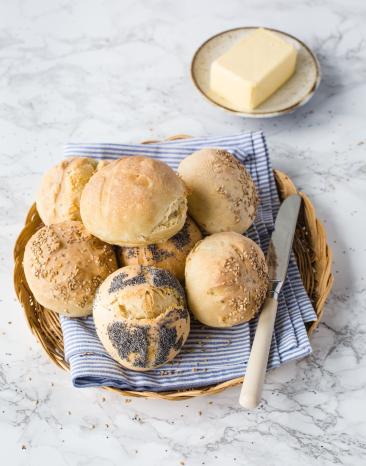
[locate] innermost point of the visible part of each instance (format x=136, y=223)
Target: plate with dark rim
x=295, y=93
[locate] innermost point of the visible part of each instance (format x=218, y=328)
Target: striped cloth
x=210, y=355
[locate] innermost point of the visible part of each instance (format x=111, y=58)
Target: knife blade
x=278, y=257
x=280, y=246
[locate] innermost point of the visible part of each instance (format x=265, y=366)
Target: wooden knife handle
x=251, y=391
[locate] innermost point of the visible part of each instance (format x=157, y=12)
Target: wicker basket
x=313, y=258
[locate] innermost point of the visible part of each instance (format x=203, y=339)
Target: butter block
x=253, y=69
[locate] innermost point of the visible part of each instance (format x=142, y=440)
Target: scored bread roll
x=222, y=194
x=134, y=201
x=170, y=254
x=64, y=265
x=141, y=316
x=58, y=198
x=226, y=279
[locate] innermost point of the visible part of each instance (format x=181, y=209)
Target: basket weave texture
x=312, y=252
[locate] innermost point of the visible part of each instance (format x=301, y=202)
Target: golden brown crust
x=226, y=279
x=170, y=254
x=64, y=265
x=141, y=316
x=134, y=201
x=222, y=194
x=58, y=198
x=103, y=163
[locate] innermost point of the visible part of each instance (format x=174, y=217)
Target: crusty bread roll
x=58, y=198
x=134, y=201
x=222, y=194
x=226, y=279
x=64, y=265
x=170, y=254
x=141, y=316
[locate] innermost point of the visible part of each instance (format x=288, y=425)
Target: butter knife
x=278, y=257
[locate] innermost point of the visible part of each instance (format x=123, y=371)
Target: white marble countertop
x=118, y=71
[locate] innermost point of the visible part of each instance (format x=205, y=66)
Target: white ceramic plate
x=296, y=92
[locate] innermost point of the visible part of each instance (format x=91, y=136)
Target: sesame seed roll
x=226, y=279
x=222, y=194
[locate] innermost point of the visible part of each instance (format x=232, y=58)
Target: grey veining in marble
x=109, y=70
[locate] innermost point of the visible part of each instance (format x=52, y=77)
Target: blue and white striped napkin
x=210, y=355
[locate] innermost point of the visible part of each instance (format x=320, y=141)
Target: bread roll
x=170, y=254
x=226, y=279
x=141, y=316
x=223, y=196
x=64, y=265
x=134, y=201
x=58, y=198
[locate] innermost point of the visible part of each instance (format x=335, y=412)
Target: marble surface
x=119, y=71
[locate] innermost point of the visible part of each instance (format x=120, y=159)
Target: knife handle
x=251, y=391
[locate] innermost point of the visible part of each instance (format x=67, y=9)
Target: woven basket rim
x=313, y=255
